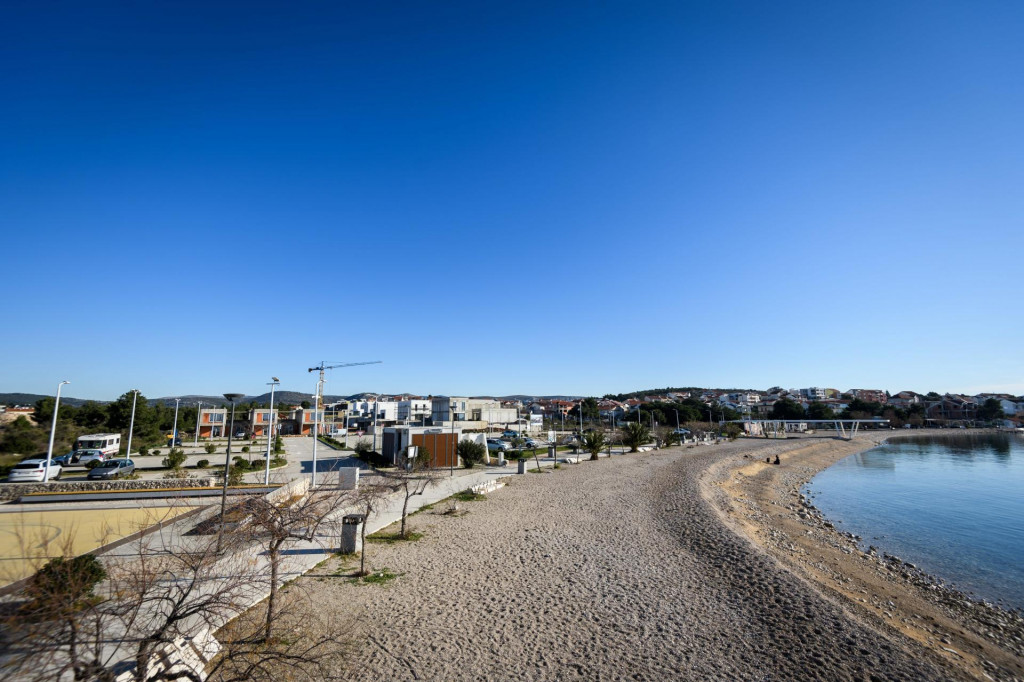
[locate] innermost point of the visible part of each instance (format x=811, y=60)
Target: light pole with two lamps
x=199, y=411
x=232, y=397
x=131, y=424
x=270, y=434
x=53, y=430
x=174, y=429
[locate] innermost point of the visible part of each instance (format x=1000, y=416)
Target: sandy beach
x=666, y=565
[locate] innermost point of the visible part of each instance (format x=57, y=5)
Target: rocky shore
x=662, y=565
x=977, y=639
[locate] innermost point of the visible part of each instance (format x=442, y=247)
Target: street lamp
x=316, y=427
x=53, y=430
x=232, y=397
x=451, y=462
x=131, y=425
x=174, y=430
x=270, y=434
x=199, y=411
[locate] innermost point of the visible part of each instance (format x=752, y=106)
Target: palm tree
x=636, y=434
x=594, y=442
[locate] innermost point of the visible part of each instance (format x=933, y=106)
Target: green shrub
x=62, y=585
x=143, y=451
x=245, y=448
x=258, y=465
x=471, y=453
x=175, y=458
x=278, y=445
x=240, y=463
x=155, y=452
x=278, y=462
x=202, y=464
x=210, y=448
x=235, y=476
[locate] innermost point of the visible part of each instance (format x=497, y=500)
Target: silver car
x=114, y=468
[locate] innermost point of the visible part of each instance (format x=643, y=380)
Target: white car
x=32, y=470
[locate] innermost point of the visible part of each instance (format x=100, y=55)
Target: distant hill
x=31, y=398
x=286, y=397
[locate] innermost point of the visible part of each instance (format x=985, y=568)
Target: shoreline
x=616, y=569
x=763, y=504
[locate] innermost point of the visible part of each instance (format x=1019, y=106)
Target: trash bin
x=552, y=451
x=522, y=466
x=351, y=531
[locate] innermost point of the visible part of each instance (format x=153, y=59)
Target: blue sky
x=511, y=197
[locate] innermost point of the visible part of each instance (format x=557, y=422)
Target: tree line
x=152, y=422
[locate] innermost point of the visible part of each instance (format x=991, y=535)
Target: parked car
x=681, y=432
x=114, y=468
x=497, y=444
x=532, y=443
x=86, y=456
x=33, y=470
x=510, y=434
x=63, y=460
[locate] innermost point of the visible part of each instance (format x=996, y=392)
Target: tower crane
x=323, y=367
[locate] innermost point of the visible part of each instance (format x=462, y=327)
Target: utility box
x=351, y=533
x=348, y=478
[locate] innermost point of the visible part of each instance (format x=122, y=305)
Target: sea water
x=952, y=505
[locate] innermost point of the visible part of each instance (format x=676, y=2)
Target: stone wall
x=12, y=491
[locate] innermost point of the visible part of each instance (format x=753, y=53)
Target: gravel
x=616, y=569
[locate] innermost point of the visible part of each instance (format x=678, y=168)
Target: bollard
x=351, y=530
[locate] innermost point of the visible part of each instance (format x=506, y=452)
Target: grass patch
x=535, y=470
x=426, y=507
x=467, y=496
x=391, y=538
x=380, y=577
x=557, y=466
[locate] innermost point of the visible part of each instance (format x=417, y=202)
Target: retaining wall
x=12, y=491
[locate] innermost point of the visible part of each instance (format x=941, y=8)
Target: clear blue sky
x=545, y=197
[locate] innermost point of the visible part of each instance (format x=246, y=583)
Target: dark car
x=112, y=468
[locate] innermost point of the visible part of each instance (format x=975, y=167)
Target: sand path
x=618, y=569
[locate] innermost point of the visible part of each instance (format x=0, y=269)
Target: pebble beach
x=646, y=566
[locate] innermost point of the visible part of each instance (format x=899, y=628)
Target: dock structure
x=846, y=428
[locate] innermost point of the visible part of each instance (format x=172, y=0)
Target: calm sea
x=952, y=505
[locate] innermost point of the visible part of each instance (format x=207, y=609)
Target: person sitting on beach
x=777, y=460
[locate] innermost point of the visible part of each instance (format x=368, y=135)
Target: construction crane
x=323, y=367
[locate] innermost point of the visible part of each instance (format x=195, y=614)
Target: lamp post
x=199, y=411
x=679, y=432
x=451, y=462
x=316, y=429
x=53, y=431
x=232, y=397
x=174, y=429
x=131, y=425
x=270, y=434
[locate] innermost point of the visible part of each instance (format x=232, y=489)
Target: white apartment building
x=414, y=410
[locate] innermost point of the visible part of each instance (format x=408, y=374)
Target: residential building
x=414, y=410
x=212, y=422
x=869, y=395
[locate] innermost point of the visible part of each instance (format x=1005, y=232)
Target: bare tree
x=274, y=523
x=370, y=498
x=157, y=591
x=413, y=480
